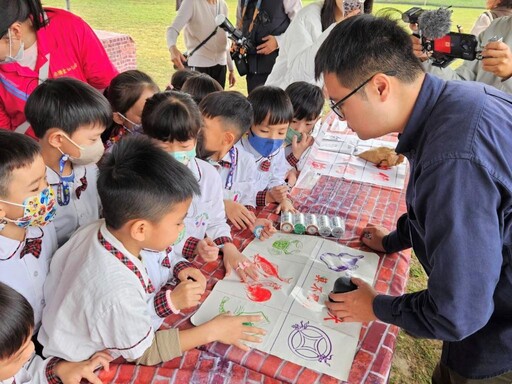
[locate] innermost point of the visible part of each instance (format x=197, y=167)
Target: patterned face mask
x=39, y=209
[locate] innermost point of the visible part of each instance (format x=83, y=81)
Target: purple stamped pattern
x=340, y=262
x=310, y=343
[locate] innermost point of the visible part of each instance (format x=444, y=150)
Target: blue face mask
x=184, y=157
x=263, y=145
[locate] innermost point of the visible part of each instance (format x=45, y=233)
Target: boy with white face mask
x=68, y=117
x=27, y=206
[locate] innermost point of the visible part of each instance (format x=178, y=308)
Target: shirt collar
x=427, y=99
x=10, y=247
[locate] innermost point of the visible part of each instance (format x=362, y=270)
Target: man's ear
x=139, y=230
x=382, y=84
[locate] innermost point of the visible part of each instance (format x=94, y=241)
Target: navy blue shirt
x=459, y=216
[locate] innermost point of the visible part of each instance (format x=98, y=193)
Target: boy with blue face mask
x=174, y=120
x=27, y=206
x=273, y=113
x=68, y=116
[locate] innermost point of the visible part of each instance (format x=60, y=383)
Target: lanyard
x=233, y=155
x=63, y=193
x=254, y=15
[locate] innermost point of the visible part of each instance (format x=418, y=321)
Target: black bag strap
x=203, y=42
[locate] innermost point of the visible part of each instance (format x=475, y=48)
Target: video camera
x=241, y=44
x=438, y=42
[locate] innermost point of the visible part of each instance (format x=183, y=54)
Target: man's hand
x=192, y=274
x=177, y=57
x=298, y=148
x=497, y=59
x=269, y=45
x=232, y=79
x=239, y=215
x=355, y=306
x=208, y=250
x=417, y=48
x=372, y=237
x=73, y=373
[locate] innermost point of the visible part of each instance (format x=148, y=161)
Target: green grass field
x=146, y=21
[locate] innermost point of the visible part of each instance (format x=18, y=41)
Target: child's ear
x=139, y=230
x=117, y=118
x=55, y=137
x=229, y=138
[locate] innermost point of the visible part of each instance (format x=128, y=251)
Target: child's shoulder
x=208, y=173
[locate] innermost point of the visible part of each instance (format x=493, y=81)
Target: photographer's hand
x=497, y=59
x=418, y=48
x=232, y=78
x=177, y=57
x=269, y=45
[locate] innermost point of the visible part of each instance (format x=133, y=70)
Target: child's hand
x=208, y=250
x=73, y=373
x=187, y=294
x=192, y=274
x=291, y=176
x=286, y=206
x=298, y=148
x=268, y=228
x=278, y=194
x=231, y=330
x=239, y=215
x=234, y=260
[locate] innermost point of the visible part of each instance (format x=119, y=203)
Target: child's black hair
x=180, y=76
x=201, y=85
x=307, y=100
x=67, y=104
x=232, y=107
x=124, y=91
x=170, y=116
x=139, y=180
x=18, y=151
x=272, y=102
x=16, y=321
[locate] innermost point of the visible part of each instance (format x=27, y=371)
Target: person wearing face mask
x=39, y=43
x=273, y=113
x=307, y=31
x=70, y=137
x=174, y=120
x=127, y=94
x=27, y=207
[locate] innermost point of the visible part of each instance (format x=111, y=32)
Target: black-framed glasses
x=336, y=107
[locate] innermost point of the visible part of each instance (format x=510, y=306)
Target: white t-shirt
x=27, y=275
x=81, y=210
x=33, y=372
x=95, y=301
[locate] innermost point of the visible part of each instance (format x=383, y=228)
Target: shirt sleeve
x=217, y=224
x=291, y=7
x=126, y=327
x=96, y=65
x=460, y=238
x=481, y=24
x=182, y=18
x=279, y=171
x=5, y=120
x=398, y=239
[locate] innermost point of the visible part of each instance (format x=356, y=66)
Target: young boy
x=273, y=113
x=100, y=287
x=307, y=101
x=27, y=206
x=174, y=120
x=68, y=116
x=19, y=364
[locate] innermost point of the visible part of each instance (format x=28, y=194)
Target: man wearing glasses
x=457, y=137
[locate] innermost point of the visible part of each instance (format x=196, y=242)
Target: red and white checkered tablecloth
x=358, y=203
x=120, y=49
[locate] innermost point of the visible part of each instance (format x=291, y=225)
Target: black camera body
x=241, y=44
x=412, y=15
x=453, y=46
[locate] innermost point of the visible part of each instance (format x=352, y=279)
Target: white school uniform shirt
x=206, y=215
x=79, y=211
x=245, y=178
x=94, y=301
x=278, y=165
x=33, y=372
x=28, y=274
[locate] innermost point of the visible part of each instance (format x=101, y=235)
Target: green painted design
x=286, y=247
x=240, y=311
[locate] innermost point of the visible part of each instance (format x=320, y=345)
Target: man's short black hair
x=271, y=101
x=232, y=107
x=139, y=180
x=307, y=100
x=363, y=45
x=17, y=151
x=16, y=321
x=67, y=104
x=171, y=116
